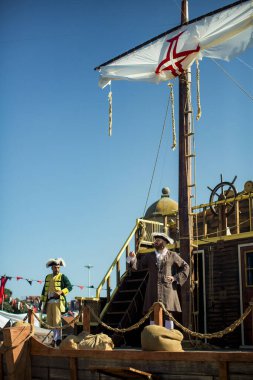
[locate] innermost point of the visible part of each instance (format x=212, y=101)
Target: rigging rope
x=110, y=111
x=198, y=91
x=157, y=155
x=233, y=80
x=174, y=144
x=245, y=63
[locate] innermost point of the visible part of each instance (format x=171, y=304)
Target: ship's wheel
x=223, y=191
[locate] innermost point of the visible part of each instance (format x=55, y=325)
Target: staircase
x=125, y=308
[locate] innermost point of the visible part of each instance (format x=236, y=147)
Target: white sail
x=221, y=35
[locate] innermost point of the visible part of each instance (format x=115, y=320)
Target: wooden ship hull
x=31, y=359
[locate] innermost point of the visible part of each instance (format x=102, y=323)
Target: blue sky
x=67, y=189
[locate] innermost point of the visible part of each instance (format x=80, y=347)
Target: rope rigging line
x=233, y=80
x=157, y=155
x=172, y=102
x=244, y=63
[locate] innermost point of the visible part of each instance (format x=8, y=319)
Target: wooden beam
x=158, y=315
x=108, y=287
x=39, y=349
x=223, y=371
x=30, y=316
x=73, y=368
x=86, y=318
x=1, y=367
x=118, y=273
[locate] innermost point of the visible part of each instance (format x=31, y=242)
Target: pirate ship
x=216, y=238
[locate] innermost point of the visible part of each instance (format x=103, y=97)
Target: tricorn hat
x=163, y=236
x=58, y=261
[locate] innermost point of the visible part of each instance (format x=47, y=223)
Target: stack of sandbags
x=158, y=338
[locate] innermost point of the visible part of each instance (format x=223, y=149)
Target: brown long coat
x=158, y=287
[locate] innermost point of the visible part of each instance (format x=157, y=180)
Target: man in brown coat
x=166, y=270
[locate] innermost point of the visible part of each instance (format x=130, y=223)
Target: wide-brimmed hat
x=163, y=236
x=58, y=261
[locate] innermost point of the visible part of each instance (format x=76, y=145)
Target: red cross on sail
x=173, y=60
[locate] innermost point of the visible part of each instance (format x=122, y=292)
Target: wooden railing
x=141, y=233
x=208, y=225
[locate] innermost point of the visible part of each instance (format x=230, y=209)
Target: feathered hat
x=58, y=261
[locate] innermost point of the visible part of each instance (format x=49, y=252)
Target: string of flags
x=30, y=281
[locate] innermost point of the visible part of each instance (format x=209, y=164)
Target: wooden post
x=73, y=368
x=108, y=289
x=237, y=217
x=127, y=254
x=250, y=212
x=165, y=224
x=223, y=371
x=30, y=316
x=158, y=315
x=86, y=317
x=117, y=273
x=127, y=250
x=204, y=223
x=1, y=366
x=185, y=174
x=251, y=314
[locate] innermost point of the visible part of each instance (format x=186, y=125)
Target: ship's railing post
x=108, y=288
x=127, y=254
x=250, y=212
x=30, y=316
x=86, y=317
x=158, y=315
x=118, y=273
x=204, y=223
x=237, y=217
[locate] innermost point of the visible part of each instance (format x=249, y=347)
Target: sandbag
x=158, y=338
x=69, y=343
x=96, y=342
x=81, y=336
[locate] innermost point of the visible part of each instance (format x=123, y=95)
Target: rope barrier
x=56, y=327
x=218, y=334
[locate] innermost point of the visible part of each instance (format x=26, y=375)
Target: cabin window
x=249, y=268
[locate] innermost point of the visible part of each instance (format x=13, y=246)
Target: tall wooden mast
x=185, y=133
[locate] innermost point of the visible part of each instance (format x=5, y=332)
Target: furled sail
x=222, y=34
